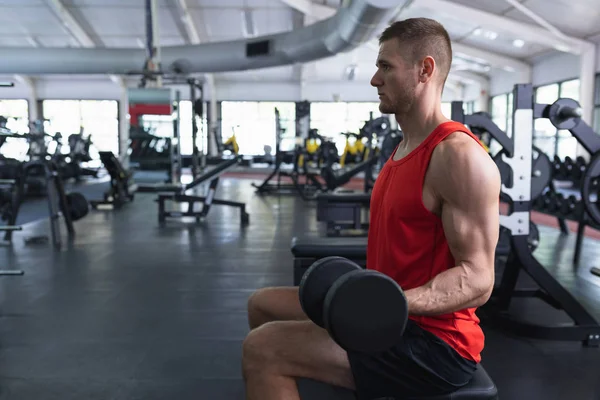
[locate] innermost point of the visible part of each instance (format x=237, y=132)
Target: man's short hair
x=424, y=37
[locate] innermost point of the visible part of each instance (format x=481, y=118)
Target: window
x=500, y=111
x=331, y=119
x=98, y=118
x=544, y=135
x=254, y=124
x=185, y=129
x=17, y=114
x=566, y=144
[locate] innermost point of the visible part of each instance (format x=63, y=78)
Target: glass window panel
x=546, y=144
x=499, y=111
x=330, y=120
x=509, y=114
x=544, y=131
x=254, y=123
x=547, y=94
x=185, y=129
x=597, y=90
x=97, y=118
x=566, y=146
x=597, y=119
x=62, y=116
x=16, y=111
x=570, y=89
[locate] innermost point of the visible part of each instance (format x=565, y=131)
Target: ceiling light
x=518, y=43
x=562, y=47
x=477, y=32
x=490, y=35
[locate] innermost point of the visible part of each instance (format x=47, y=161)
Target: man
x=434, y=228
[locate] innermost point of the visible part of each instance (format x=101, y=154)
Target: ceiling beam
x=538, y=19
x=470, y=78
x=71, y=24
x=194, y=35
x=501, y=23
x=494, y=59
x=307, y=7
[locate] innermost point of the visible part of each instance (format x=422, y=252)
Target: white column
x=123, y=121
x=587, y=78
x=212, y=115
x=32, y=96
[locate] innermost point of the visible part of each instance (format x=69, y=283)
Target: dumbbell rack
x=519, y=158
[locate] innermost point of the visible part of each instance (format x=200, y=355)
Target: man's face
x=396, y=79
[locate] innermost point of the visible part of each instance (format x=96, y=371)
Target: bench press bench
x=308, y=249
x=343, y=211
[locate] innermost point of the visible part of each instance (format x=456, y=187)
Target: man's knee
x=258, y=353
x=255, y=300
x=257, y=308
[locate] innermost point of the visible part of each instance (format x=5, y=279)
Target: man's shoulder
x=459, y=147
x=460, y=161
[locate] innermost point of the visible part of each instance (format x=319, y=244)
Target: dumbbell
x=558, y=167
x=569, y=205
x=362, y=310
x=569, y=166
x=580, y=166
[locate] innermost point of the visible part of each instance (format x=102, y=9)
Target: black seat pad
x=481, y=387
x=316, y=246
x=342, y=197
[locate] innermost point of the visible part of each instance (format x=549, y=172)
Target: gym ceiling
x=488, y=35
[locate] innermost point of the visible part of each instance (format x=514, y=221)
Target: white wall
x=555, y=67
x=503, y=81
x=471, y=93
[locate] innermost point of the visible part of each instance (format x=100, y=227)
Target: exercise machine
x=179, y=196
x=306, y=189
x=121, y=190
x=564, y=114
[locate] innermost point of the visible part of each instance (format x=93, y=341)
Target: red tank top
x=407, y=242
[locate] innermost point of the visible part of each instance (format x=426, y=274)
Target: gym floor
x=131, y=310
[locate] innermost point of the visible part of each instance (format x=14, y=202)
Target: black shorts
x=420, y=365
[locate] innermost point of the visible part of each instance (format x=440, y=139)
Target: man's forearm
x=452, y=290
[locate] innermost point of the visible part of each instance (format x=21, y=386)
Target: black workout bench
x=342, y=212
x=121, y=189
x=181, y=197
x=307, y=250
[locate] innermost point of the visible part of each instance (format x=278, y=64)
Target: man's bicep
x=471, y=229
x=470, y=211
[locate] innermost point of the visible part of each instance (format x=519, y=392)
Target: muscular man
x=434, y=228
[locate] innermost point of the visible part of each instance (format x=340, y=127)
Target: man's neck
x=417, y=124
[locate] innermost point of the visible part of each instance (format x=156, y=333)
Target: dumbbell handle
x=570, y=112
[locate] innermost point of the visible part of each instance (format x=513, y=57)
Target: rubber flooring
x=133, y=310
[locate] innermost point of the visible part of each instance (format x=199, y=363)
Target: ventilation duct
x=356, y=22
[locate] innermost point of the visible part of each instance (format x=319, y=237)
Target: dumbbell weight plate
x=317, y=280
x=365, y=311
x=590, y=189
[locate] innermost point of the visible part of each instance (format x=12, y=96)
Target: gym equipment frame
x=519, y=158
x=207, y=201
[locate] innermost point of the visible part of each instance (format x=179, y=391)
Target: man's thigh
x=278, y=303
x=301, y=349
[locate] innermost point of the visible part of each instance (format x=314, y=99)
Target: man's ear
x=427, y=69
